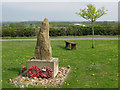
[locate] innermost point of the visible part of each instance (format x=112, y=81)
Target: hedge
x=81, y=30
x=12, y=32
x=64, y=31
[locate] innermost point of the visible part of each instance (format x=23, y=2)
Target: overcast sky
x=54, y=11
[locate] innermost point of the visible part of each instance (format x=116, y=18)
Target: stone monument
x=43, y=51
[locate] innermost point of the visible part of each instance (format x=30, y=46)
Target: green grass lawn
x=101, y=62
x=86, y=36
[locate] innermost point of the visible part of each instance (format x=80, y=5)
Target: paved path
x=60, y=39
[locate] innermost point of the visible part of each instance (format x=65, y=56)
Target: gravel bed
x=57, y=81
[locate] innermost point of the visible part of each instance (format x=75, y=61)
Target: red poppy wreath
x=34, y=68
x=49, y=70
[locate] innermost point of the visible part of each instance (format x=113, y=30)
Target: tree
x=92, y=15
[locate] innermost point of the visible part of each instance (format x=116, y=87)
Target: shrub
x=21, y=30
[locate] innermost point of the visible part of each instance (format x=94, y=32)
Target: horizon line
x=60, y=21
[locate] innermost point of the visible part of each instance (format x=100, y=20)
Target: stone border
x=65, y=76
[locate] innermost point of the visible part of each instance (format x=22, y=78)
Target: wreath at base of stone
x=40, y=72
x=34, y=68
x=49, y=70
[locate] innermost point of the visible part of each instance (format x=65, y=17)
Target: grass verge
x=90, y=68
x=87, y=36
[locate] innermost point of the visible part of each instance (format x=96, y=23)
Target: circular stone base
x=57, y=81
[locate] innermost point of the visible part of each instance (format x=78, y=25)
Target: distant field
x=87, y=36
x=90, y=68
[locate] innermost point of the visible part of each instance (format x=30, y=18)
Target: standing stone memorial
x=43, y=51
x=43, y=65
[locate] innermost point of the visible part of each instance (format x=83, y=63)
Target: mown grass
x=86, y=36
x=90, y=68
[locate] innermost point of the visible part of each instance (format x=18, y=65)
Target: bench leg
x=67, y=44
x=73, y=46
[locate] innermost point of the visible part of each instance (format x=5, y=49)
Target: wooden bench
x=73, y=45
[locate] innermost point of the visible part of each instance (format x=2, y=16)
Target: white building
x=77, y=24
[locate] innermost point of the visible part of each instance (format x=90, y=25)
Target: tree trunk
x=34, y=31
x=93, y=33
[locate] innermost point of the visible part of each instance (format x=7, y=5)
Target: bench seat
x=73, y=45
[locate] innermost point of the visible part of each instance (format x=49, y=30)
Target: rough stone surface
x=53, y=64
x=57, y=81
x=43, y=49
